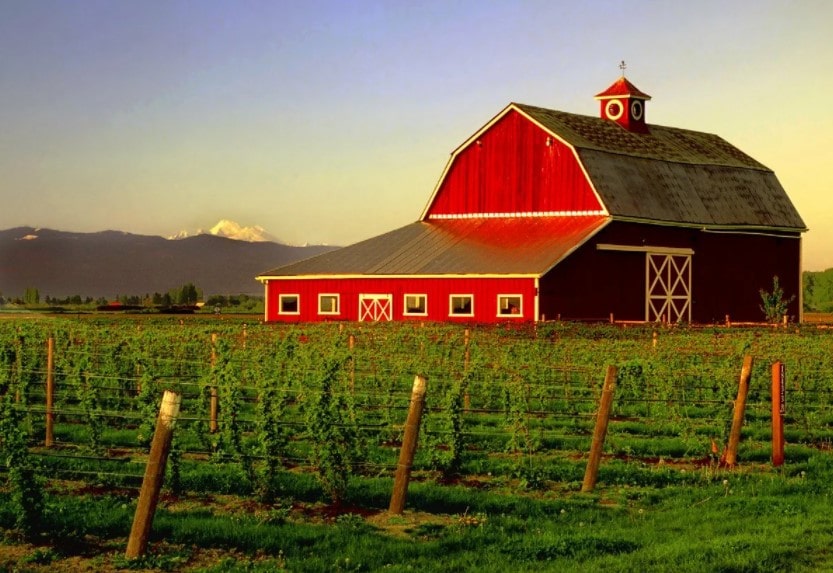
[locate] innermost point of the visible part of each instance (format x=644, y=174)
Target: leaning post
x=160, y=447
x=409, y=444
x=600, y=431
x=739, y=411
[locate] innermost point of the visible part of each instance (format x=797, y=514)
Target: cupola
x=624, y=103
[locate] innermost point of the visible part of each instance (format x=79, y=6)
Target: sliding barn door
x=668, y=280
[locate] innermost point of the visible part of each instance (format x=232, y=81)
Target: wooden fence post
x=739, y=411
x=351, y=346
x=49, y=439
x=213, y=397
x=160, y=447
x=779, y=408
x=466, y=360
x=409, y=444
x=600, y=431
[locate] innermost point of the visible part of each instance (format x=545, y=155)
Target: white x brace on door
x=668, y=287
x=375, y=307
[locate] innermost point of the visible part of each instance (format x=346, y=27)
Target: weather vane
x=622, y=66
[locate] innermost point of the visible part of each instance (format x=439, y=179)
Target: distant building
x=543, y=214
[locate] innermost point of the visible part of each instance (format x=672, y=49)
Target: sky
x=328, y=121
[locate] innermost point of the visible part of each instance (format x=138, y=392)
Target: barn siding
x=729, y=269
x=511, y=169
x=485, y=291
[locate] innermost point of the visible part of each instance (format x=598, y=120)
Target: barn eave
x=770, y=230
x=264, y=278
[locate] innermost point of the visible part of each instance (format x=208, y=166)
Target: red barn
x=543, y=214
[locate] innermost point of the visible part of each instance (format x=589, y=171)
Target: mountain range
x=111, y=263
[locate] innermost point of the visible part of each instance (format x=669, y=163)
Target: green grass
x=724, y=521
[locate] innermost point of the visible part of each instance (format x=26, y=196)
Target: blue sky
x=330, y=122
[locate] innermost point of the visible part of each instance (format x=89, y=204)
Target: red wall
x=511, y=169
x=728, y=271
x=485, y=291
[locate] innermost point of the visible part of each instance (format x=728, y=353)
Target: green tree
x=188, y=294
x=31, y=296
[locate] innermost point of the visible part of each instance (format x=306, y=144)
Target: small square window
x=289, y=304
x=510, y=305
x=328, y=303
x=416, y=305
x=461, y=305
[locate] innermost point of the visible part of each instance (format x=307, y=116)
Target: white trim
x=706, y=228
x=405, y=304
x=265, y=301
x=613, y=116
x=645, y=249
x=634, y=114
x=800, y=281
x=297, y=302
x=518, y=214
x=730, y=231
x=644, y=97
x=337, y=311
x=520, y=307
x=537, y=301
x=406, y=277
x=451, y=305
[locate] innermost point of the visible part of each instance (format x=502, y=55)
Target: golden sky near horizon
x=330, y=122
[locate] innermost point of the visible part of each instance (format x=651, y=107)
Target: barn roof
x=622, y=87
x=671, y=175
x=528, y=246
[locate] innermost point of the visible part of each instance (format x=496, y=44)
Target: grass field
x=498, y=473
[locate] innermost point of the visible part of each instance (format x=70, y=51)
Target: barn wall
x=512, y=169
x=485, y=291
x=728, y=271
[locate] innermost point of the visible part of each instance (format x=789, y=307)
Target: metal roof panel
x=488, y=246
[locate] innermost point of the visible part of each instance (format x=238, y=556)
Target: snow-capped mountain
x=232, y=230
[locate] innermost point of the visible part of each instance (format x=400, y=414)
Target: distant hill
x=110, y=263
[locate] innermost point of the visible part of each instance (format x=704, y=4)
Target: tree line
x=187, y=294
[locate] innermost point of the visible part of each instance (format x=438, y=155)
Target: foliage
x=818, y=291
x=335, y=446
x=773, y=304
x=26, y=490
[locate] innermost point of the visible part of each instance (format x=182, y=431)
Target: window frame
x=282, y=297
x=336, y=296
x=406, y=312
x=451, y=298
x=520, y=307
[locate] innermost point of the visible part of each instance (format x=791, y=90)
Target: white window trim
x=405, y=304
x=337, y=311
x=297, y=298
x=451, y=305
x=520, y=312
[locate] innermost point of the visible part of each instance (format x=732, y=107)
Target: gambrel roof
x=668, y=176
